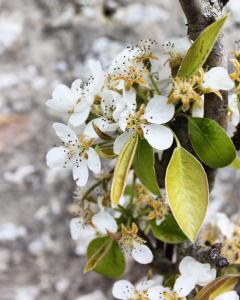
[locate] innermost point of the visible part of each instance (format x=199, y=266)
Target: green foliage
x=168, y=231
x=199, y=51
x=187, y=191
x=105, y=152
x=105, y=257
x=144, y=166
x=122, y=168
x=210, y=142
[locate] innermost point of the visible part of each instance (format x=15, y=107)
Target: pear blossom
x=148, y=122
x=76, y=151
x=234, y=109
x=132, y=244
x=101, y=222
x=224, y=224
x=231, y=295
x=177, y=46
x=192, y=273
x=77, y=100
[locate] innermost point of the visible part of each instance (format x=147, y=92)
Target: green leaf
x=122, y=168
x=112, y=263
x=210, y=142
x=144, y=166
x=217, y=287
x=200, y=49
x=235, y=164
x=168, y=231
x=187, y=191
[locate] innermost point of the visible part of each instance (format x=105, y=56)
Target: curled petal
x=141, y=253
x=217, y=79
x=104, y=222
x=158, y=111
x=63, y=93
x=123, y=290
x=198, y=109
x=94, y=162
x=76, y=226
x=80, y=114
x=158, y=136
x=56, y=157
x=144, y=285
x=60, y=106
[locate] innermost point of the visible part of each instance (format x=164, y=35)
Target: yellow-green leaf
x=200, y=49
x=218, y=286
x=122, y=168
x=236, y=164
x=187, y=191
x=105, y=152
x=98, y=255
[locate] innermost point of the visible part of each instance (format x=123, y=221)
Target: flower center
x=136, y=121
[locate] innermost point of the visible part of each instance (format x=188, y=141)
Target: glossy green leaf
x=200, y=49
x=218, y=286
x=168, y=231
x=187, y=191
x=122, y=168
x=210, y=142
x=144, y=166
x=112, y=262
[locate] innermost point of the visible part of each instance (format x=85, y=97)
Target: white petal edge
x=83, y=178
x=231, y=295
x=66, y=134
x=120, y=141
x=94, y=162
x=156, y=293
x=184, y=285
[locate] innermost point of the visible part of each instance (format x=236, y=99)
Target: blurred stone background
x=43, y=43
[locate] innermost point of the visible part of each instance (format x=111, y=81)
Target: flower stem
x=154, y=84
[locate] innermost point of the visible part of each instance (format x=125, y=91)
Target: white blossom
x=224, y=224
x=150, y=122
x=192, y=273
x=75, y=151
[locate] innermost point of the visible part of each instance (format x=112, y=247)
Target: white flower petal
x=104, y=222
x=184, y=285
x=129, y=98
x=76, y=88
x=158, y=111
x=156, y=293
x=158, y=136
x=94, y=162
x=120, y=141
x=83, y=176
x=60, y=106
x=206, y=277
x=218, y=79
x=224, y=224
x=80, y=115
x=141, y=253
x=233, y=105
x=63, y=93
x=123, y=290
x=231, y=295
x=66, y=134
x=56, y=157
